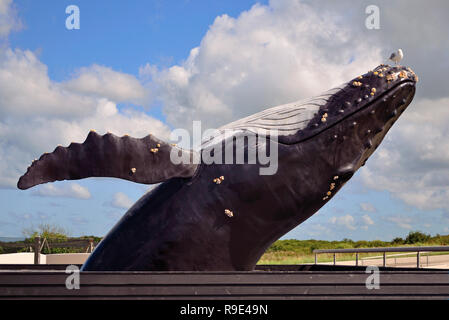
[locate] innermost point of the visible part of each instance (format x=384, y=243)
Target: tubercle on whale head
x=362, y=91
x=362, y=132
x=353, y=96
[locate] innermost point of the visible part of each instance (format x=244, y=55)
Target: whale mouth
x=302, y=120
x=395, y=111
x=364, y=129
x=353, y=97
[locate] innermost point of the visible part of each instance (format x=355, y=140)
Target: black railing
x=418, y=251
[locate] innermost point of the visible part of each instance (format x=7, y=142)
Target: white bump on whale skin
x=229, y=213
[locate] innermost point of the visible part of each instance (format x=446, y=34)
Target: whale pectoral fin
x=146, y=160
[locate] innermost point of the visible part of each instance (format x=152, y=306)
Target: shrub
x=48, y=231
x=417, y=237
x=397, y=241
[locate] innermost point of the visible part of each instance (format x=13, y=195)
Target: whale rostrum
x=223, y=216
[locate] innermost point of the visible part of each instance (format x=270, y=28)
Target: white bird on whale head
x=397, y=56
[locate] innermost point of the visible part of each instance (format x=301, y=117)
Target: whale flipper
x=145, y=160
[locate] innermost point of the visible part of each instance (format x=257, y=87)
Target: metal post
x=315, y=258
x=417, y=259
x=91, y=245
x=356, y=259
x=385, y=259
x=335, y=260
x=37, y=250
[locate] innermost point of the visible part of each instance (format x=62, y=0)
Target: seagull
x=397, y=56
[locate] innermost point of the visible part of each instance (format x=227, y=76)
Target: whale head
x=355, y=118
x=345, y=124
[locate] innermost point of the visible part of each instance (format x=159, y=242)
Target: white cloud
x=9, y=20
x=413, y=163
x=121, y=201
x=37, y=114
x=367, y=220
x=368, y=207
x=79, y=220
x=100, y=81
x=401, y=221
x=71, y=190
x=270, y=54
x=347, y=221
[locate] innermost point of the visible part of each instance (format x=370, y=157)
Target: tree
x=397, y=241
x=417, y=237
x=48, y=231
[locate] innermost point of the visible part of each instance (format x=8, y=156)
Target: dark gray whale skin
x=181, y=225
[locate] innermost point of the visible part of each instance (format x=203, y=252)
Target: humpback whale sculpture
x=192, y=221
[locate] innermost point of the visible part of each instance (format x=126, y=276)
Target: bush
x=48, y=231
x=361, y=244
x=417, y=237
x=397, y=241
x=1, y=250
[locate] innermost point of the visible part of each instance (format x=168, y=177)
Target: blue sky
x=148, y=44
x=122, y=35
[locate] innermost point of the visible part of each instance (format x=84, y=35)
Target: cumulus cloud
x=413, y=164
x=77, y=220
x=9, y=20
x=37, y=114
x=347, y=221
x=26, y=90
x=72, y=190
x=367, y=207
x=269, y=55
x=367, y=220
x=121, y=201
x=401, y=221
x=101, y=81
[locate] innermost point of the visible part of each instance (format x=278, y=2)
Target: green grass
x=301, y=251
x=281, y=252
